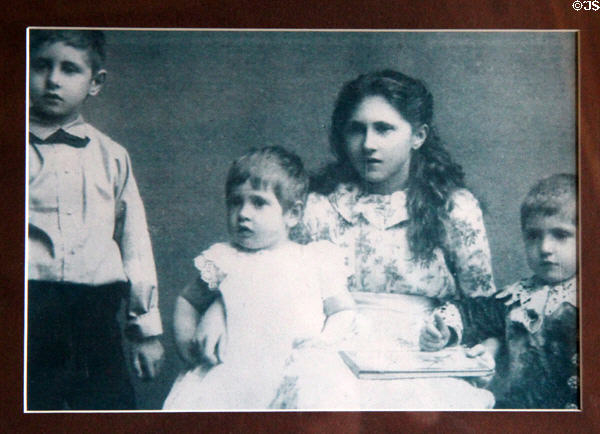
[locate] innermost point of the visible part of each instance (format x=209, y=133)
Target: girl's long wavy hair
x=433, y=176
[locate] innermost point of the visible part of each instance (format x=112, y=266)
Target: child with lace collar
x=535, y=319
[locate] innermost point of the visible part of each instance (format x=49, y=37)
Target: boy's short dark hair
x=273, y=167
x=554, y=195
x=92, y=41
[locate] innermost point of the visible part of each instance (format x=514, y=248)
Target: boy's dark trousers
x=75, y=356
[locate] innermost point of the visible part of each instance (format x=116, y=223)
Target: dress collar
x=559, y=293
x=381, y=210
x=534, y=284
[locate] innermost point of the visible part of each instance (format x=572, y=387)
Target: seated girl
x=271, y=292
x=414, y=237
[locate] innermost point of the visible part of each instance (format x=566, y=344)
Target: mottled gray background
x=186, y=103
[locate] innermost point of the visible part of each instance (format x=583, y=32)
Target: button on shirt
x=87, y=222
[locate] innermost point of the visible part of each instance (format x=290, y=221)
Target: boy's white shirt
x=132, y=258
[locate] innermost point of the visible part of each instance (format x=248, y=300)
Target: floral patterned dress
x=372, y=231
x=395, y=295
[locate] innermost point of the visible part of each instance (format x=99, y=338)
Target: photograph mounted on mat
x=311, y=211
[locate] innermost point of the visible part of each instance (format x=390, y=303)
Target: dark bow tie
x=60, y=136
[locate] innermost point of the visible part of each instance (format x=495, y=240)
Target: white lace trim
x=536, y=302
x=209, y=271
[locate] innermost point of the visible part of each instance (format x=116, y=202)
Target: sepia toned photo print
x=224, y=220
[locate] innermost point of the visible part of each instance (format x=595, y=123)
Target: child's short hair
x=273, y=167
x=92, y=41
x=551, y=196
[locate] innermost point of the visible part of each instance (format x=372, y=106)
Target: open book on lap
x=395, y=364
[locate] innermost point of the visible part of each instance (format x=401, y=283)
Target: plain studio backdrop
x=186, y=103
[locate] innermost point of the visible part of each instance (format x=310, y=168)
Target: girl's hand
x=185, y=320
x=337, y=327
x=434, y=335
x=210, y=337
x=314, y=342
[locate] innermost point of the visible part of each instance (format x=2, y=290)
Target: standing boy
x=88, y=241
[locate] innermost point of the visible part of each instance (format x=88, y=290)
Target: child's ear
x=419, y=135
x=97, y=82
x=293, y=215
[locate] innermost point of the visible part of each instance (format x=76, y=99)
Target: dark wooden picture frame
x=377, y=15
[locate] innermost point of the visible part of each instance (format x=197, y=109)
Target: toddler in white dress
x=273, y=293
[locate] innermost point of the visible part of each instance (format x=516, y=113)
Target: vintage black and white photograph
x=225, y=220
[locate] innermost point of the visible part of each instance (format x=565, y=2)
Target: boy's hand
x=507, y=297
x=210, y=338
x=434, y=335
x=486, y=351
x=147, y=357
